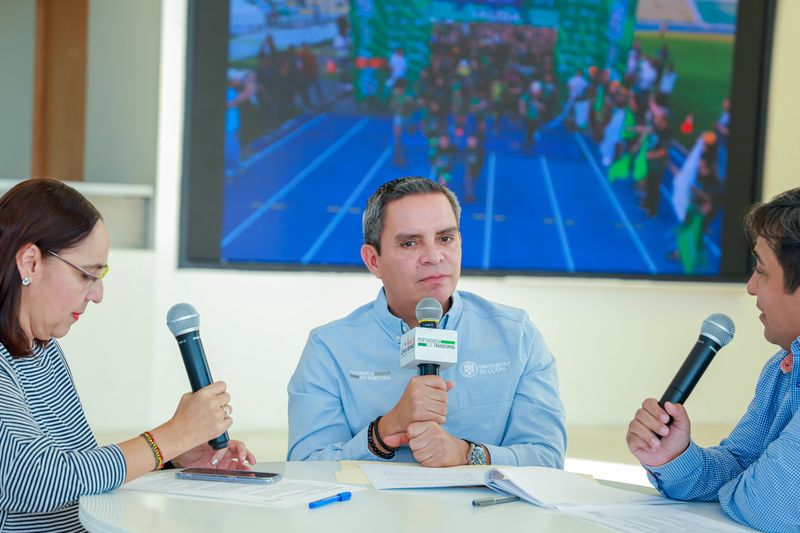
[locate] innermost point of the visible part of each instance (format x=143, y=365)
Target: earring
x=26, y=281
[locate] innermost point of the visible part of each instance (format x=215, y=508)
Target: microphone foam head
x=429, y=310
x=719, y=327
x=182, y=318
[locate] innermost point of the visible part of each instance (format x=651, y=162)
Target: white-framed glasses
x=88, y=276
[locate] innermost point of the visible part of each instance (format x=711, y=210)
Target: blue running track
x=299, y=201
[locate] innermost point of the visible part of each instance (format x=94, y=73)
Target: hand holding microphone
x=661, y=430
x=213, y=413
x=196, y=433
x=425, y=398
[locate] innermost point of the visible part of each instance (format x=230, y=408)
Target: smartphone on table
x=230, y=476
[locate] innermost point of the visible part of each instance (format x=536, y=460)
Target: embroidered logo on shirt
x=787, y=363
x=471, y=369
x=371, y=375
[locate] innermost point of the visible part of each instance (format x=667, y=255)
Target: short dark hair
x=372, y=220
x=53, y=216
x=778, y=222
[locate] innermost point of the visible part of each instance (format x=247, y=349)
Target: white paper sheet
x=284, y=493
x=547, y=487
x=417, y=477
x=550, y=487
x=647, y=519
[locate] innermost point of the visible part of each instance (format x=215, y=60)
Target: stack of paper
x=574, y=494
x=547, y=487
x=550, y=487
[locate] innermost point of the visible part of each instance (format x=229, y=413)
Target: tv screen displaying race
x=580, y=136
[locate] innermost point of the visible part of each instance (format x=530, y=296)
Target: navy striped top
x=48, y=454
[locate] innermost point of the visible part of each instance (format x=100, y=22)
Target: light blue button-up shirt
x=505, y=395
x=755, y=472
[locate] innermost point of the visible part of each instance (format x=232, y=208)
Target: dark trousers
x=652, y=197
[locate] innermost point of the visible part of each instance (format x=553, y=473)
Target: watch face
x=477, y=456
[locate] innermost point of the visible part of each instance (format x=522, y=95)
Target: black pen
x=493, y=500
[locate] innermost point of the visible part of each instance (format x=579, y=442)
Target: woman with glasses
x=53, y=257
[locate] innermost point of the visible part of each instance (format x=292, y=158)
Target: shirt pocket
x=483, y=411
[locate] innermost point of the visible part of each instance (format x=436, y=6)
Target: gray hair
x=372, y=220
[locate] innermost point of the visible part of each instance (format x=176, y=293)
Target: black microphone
x=717, y=331
x=429, y=312
x=184, y=322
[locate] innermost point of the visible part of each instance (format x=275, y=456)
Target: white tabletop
x=371, y=511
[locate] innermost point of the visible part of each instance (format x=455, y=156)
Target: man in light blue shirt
x=755, y=472
x=350, y=400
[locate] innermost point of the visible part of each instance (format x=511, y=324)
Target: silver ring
x=228, y=410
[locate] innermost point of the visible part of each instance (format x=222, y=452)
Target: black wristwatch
x=476, y=455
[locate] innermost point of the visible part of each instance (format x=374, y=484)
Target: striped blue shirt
x=755, y=472
x=48, y=454
x=505, y=396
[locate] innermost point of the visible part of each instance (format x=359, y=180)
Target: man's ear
x=371, y=259
x=29, y=257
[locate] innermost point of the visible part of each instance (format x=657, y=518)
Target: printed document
x=641, y=519
x=546, y=487
x=282, y=494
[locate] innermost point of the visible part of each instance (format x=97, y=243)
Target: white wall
x=121, y=90
x=615, y=341
x=782, y=164
x=17, y=24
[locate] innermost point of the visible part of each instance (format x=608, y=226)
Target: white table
x=371, y=511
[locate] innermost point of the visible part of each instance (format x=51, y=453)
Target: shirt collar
x=394, y=326
x=789, y=359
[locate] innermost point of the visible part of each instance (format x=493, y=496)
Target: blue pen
x=341, y=497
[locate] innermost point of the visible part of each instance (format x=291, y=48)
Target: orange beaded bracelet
x=155, y=449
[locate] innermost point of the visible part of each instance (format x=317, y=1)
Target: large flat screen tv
x=615, y=138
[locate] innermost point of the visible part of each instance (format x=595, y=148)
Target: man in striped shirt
x=754, y=472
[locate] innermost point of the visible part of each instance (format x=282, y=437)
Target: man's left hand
x=433, y=446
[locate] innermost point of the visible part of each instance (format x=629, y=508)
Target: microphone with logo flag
x=426, y=346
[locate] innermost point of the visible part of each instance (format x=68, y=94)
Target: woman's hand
x=235, y=457
x=200, y=417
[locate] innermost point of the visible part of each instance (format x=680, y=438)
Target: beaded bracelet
x=373, y=448
x=155, y=449
x=380, y=440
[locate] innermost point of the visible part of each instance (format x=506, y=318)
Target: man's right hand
x=651, y=440
x=424, y=400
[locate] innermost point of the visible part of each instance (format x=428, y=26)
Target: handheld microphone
x=717, y=331
x=427, y=347
x=184, y=322
x=429, y=313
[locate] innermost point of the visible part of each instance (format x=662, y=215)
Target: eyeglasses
x=87, y=276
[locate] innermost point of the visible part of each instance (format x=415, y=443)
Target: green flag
x=620, y=169
x=640, y=163
x=689, y=237
x=628, y=132
x=599, y=98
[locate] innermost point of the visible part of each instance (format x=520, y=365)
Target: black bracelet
x=374, y=449
x=380, y=440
